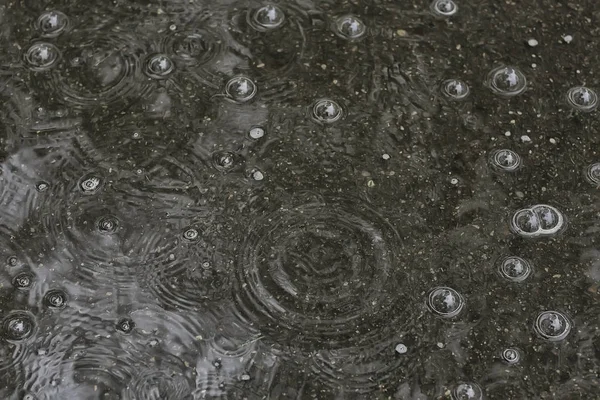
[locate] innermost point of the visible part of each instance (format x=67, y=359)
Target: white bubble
x=257, y=132
x=401, y=348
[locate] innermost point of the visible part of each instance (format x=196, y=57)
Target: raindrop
x=505, y=160
x=552, y=325
x=511, y=356
x=525, y=223
x=191, y=234
x=256, y=133
x=507, y=81
x=42, y=56
x=24, y=280
x=159, y=66
x=326, y=111
x=90, y=183
x=350, y=27
x=224, y=160
x=444, y=8
x=467, y=391
x=18, y=325
x=515, y=268
x=455, y=89
x=240, y=88
x=107, y=224
x=125, y=325
x=592, y=174
x=269, y=17
x=55, y=299
x=582, y=98
x=446, y=302
x=42, y=186
x=551, y=220
x=52, y=23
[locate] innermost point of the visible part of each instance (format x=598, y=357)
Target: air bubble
x=511, y=356
x=18, y=325
x=224, y=160
x=90, y=183
x=515, y=269
x=268, y=17
x=42, y=56
x=159, y=66
x=552, y=325
x=592, y=174
x=350, y=27
x=526, y=223
x=401, y=348
x=12, y=261
x=42, y=186
x=107, y=224
x=24, y=280
x=55, y=299
x=444, y=8
x=582, y=98
x=551, y=220
x=240, y=88
x=467, y=391
x=256, y=174
x=125, y=325
x=191, y=234
x=455, y=89
x=505, y=160
x=52, y=23
x=326, y=111
x=507, y=81
x=446, y=302
x=256, y=132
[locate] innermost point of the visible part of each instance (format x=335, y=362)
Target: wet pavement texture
x=299, y=200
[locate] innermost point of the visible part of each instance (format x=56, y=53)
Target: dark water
x=299, y=200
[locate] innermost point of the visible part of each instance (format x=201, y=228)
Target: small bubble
x=159, y=66
x=224, y=160
x=90, y=184
x=52, y=23
x=269, y=17
x=24, y=280
x=136, y=135
x=240, y=88
x=172, y=27
x=12, y=261
x=41, y=56
x=245, y=377
x=532, y=42
x=18, y=325
x=455, y=89
x=55, y=299
x=515, y=268
x=42, y=186
x=467, y=391
x=505, y=160
x=445, y=301
x=350, y=27
x=257, y=132
x=257, y=175
x=552, y=325
x=401, y=348
x=326, y=111
x=582, y=98
x=125, y=325
x=592, y=174
x=511, y=356
x=507, y=81
x=191, y=234
x=29, y=396
x=107, y=224
x=444, y=8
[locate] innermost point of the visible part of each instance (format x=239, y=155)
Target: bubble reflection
x=538, y=220
x=552, y=326
x=455, y=89
x=467, y=391
x=326, y=111
x=52, y=23
x=444, y=8
x=350, y=27
x=592, y=174
x=18, y=326
x=507, y=81
x=515, y=269
x=267, y=17
x=240, y=88
x=445, y=302
x=42, y=56
x=582, y=98
x=505, y=160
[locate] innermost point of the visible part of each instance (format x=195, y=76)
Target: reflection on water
x=299, y=199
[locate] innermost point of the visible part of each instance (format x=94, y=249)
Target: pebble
x=532, y=42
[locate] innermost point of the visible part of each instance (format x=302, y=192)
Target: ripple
x=125, y=325
x=267, y=17
x=507, y=81
x=538, y=220
x=515, y=269
x=194, y=47
x=455, y=89
x=18, y=326
x=467, y=391
x=224, y=161
x=582, y=98
x=445, y=302
x=320, y=272
x=592, y=174
x=155, y=385
x=326, y=111
x=52, y=23
x=552, y=326
x=42, y=56
x=444, y=8
x=240, y=89
x=55, y=299
x=91, y=183
x=159, y=66
x=505, y=160
x=511, y=356
x=23, y=280
x=349, y=27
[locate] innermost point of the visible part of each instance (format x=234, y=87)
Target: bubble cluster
x=159, y=66
x=267, y=17
x=467, y=391
x=455, y=89
x=507, y=81
x=55, y=298
x=444, y=8
x=445, y=302
x=18, y=325
x=505, y=160
x=552, y=326
x=23, y=280
x=582, y=98
x=90, y=183
x=125, y=325
x=240, y=88
x=511, y=356
x=350, y=27
x=107, y=224
x=592, y=174
x=42, y=56
x=52, y=23
x=536, y=221
x=326, y=111
x=515, y=269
